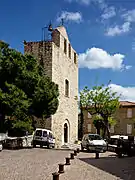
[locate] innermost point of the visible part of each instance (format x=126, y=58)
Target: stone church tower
x=61, y=64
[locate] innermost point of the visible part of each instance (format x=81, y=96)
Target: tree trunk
x=107, y=129
x=104, y=132
x=98, y=130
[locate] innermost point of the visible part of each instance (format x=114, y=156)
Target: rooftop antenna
x=62, y=21
x=49, y=28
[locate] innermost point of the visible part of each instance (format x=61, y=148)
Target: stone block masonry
x=60, y=62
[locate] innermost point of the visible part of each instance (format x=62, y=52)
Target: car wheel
x=82, y=148
x=34, y=144
x=49, y=146
x=88, y=150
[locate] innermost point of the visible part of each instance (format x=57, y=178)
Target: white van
x=43, y=137
x=1, y=146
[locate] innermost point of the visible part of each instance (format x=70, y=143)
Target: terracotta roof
x=127, y=103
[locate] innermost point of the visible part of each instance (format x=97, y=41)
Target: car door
x=45, y=136
x=84, y=141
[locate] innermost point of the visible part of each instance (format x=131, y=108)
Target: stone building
x=61, y=64
x=125, y=120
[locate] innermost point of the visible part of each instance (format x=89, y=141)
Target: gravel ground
x=39, y=164
x=30, y=164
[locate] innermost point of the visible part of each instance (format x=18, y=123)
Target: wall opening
x=65, y=46
x=69, y=51
x=65, y=133
x=75, y=60
x=66, y=88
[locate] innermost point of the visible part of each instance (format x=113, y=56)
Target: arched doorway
x=65, y=133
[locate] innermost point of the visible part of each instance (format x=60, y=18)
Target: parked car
x=122, y=145
x=43, y=137
x=93, y=143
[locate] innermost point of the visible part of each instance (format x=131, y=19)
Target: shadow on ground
x=123, y=168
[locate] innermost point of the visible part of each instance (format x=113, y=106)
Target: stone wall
x=88, y=121
x=43, y=52
x=59, y=66
x=64, y=68
x=121, y=122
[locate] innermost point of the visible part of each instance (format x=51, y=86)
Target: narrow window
x=65, y=46
x=74, y=57
x=66, y=88
x=129, y=113
x=89, y=128
x=112, y=129
x=69, y=51
x=129, y=129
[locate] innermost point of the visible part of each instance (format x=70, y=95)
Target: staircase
x=69, y=146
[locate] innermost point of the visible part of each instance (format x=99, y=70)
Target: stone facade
x=61, y=65
x=125, y=120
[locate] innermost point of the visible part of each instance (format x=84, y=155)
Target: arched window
x=66, y=88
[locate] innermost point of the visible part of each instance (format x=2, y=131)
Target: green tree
x=100, y=100
x=25, y=89
x=99, y=125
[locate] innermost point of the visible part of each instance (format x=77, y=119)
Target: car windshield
x=38, y=133
x=94, y=137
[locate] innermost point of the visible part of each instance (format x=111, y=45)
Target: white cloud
x=133, y=45
x=129, y=16
x=70, y=16
x=127, y=93
x=117, y=30
x=108, y=13
x=96, y=58
x=101, y=3
x=86, y=2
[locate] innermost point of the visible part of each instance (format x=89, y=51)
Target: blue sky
x=101, y=31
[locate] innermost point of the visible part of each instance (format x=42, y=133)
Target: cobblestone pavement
x=38, y=164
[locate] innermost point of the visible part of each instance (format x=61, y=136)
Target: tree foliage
x=100, y=100
x=25, y=90
x=99, y=124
